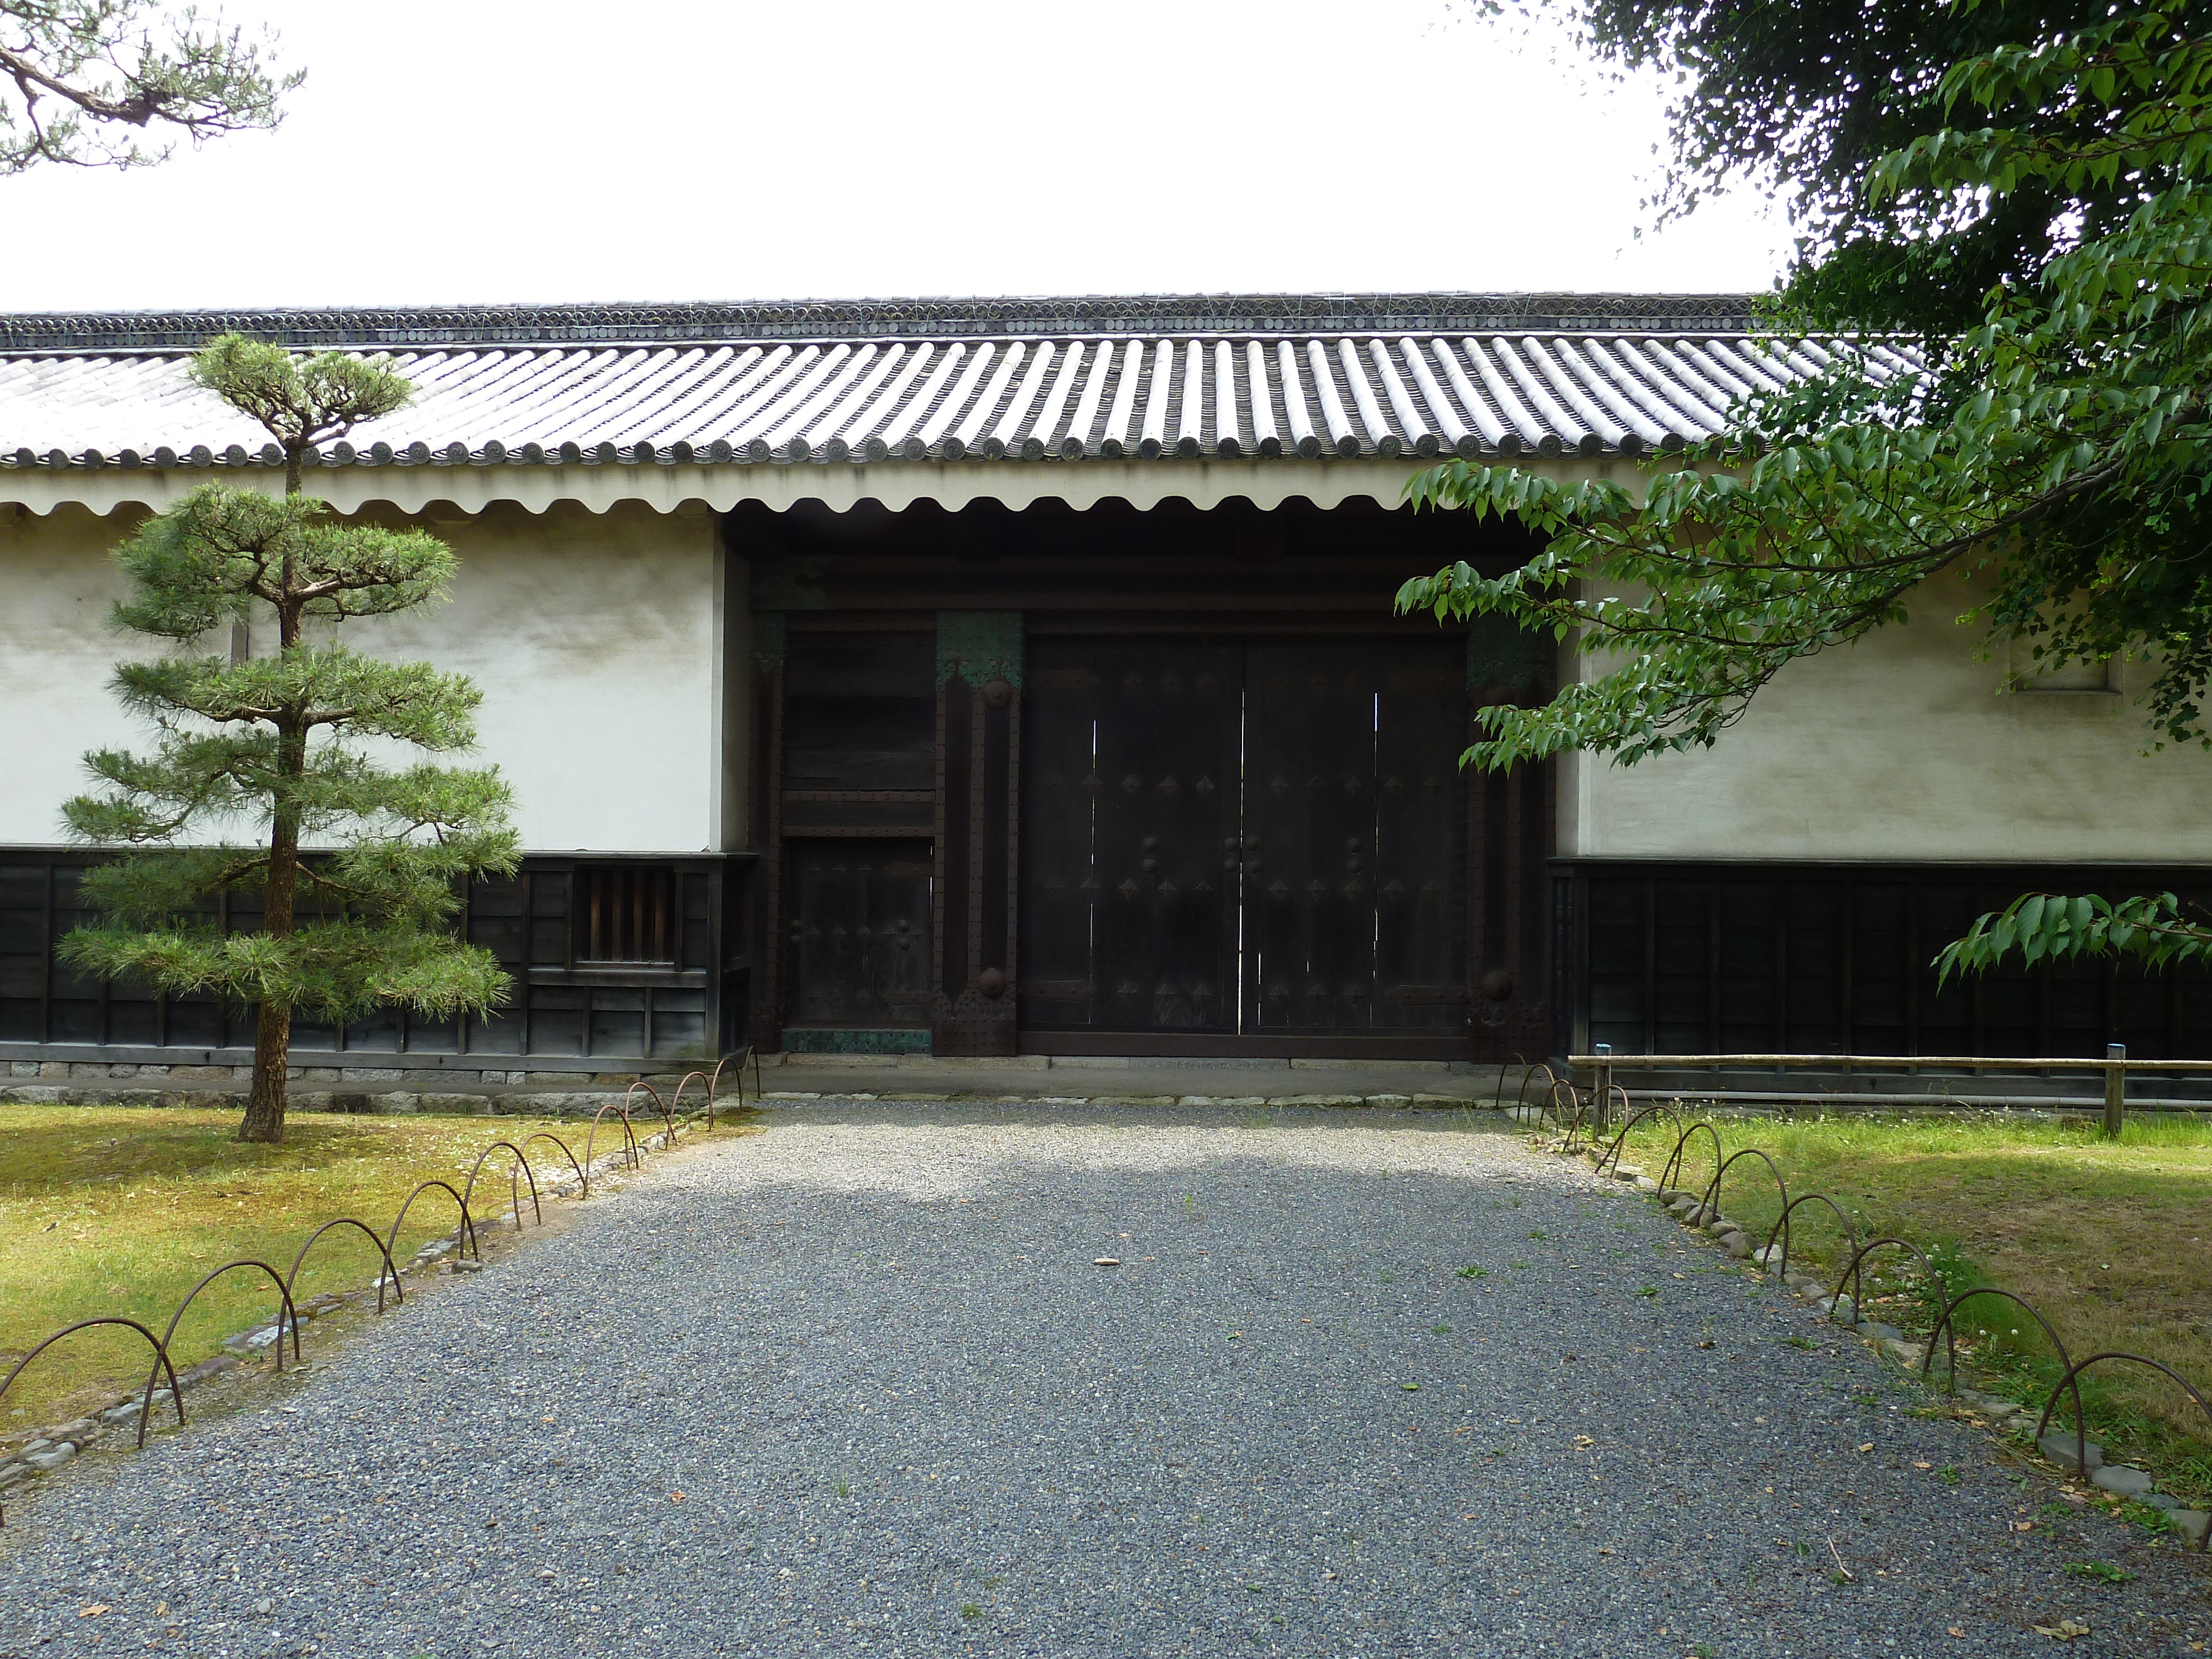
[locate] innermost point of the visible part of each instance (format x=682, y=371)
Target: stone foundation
x=782, y=1077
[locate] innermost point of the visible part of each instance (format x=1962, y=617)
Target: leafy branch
x=2058, y=453
x=2156, y=929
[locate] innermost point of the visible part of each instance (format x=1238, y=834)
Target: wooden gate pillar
x=978, y=732
x=764, y=945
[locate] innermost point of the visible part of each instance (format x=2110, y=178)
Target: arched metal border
x=1612, y=1152
x=676, y=1096
x=2081, y=1428
x=1857, y=1279
x=468, y=1192
x=1503, y=1066
x=667, y=1117
x=388, y=1275
x=1782, y=1226
x=1521, y=1095
x=1948, y=1331
x=468, y=1227
x=630, y=1156
x=391, y=1273
x=1854, y=1274
x=1713, y=1193
x=582, y=1174
x=744, y=1055
x=287, y=1314
x=161, y=1355
x=1568, y=1126
x=1675, y=1161
x=1623, y=1094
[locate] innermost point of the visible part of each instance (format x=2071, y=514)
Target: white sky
x=463, y=150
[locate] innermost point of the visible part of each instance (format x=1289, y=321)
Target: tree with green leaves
x=2055, y=451
x=83, y=81
x=1803, y=102
x=354, y=867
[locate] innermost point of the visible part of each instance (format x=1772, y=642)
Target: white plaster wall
x=596, y=643
x=594, y=638
x=56, y=655
x=1905, y=747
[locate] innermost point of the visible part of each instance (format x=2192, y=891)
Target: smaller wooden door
x=857, y=954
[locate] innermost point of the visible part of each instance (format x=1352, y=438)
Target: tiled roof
x=1419, y=375
x=854, y=319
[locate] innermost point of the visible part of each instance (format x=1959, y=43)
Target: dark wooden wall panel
x=1327, y=899
x=980, y=673
x=1421, y=840
x=1059, y=871
x=1837, y=959
x=1309, y=834
x=858, y=713
x=846, y=782
x=559, y=1004
x=955, y=816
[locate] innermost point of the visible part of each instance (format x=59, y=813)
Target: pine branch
x=126, y=65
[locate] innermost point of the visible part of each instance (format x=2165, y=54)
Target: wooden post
x=2116, y=1087
x=975, y=990
x=766, y=945
x=1604, y=1115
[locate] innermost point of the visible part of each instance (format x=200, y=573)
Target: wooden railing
x=2115, y=1066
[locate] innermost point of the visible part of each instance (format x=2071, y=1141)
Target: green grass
x=119, y=1209
x=2106, y=1239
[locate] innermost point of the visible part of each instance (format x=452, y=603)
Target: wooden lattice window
x=626, y=913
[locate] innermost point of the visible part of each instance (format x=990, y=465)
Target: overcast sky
x=465, y=150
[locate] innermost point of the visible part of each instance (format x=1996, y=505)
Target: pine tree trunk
x=272, y=1033
x=264, y=1106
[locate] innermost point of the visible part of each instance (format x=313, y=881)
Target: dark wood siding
x=1837, y=959
x=562, y=1003
x=859, y=952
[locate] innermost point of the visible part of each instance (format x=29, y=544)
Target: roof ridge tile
x=722, y=322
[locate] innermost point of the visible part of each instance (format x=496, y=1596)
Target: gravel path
x=1363, y=1384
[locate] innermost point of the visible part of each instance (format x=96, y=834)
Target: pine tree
x=357, y=867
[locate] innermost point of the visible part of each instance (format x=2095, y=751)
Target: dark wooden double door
x=1244, y=839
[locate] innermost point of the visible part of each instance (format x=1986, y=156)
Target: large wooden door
x=1129, y=836
x=1244, y=840
x=1354, y=827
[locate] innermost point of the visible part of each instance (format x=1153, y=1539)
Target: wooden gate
x=1244, y=841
